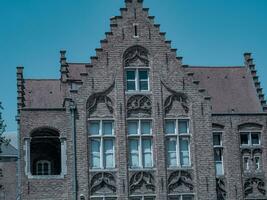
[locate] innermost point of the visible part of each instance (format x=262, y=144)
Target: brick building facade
x=135, y=123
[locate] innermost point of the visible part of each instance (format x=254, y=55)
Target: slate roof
x=75, y=70
x=232, y=89
x=8, y=151
x=43, y=93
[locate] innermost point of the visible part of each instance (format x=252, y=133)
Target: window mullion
x=140, y=145
x=101, y=146
x=137, y=80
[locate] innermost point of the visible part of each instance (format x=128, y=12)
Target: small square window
x=170, y=126
x=183, y=126
x=217, y=139
x=107, y=128
x=132, y=127
x=145, y=127
x=94, y=127
x=255, y=138
x=244, y=139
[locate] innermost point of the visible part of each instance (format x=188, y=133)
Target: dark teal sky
x=205, y=32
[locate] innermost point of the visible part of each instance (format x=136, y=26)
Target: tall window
x=102, y=138
x=178, y=142
x=246, y=163
x=137, y=79
x=182, y=197
x=140, y=143
x=45, y=153
x=250, y=138
x=218, y=153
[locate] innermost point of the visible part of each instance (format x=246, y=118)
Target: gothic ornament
x=103, y=180
x=99, y=97
x=135, y=54
x=139, y=103
x=252, y=184
x=175, y=96
x=142, y=179
x=178, y=178
x=220, y=189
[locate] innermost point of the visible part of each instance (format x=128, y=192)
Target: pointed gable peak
x=133, y=4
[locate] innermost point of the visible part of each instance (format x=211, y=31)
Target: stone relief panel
x=103, y=183
x=139, y=106
x=254, y=187
x=142, y=182
x=180, y=181
x=220, y=189
x=176, y=102
x=100, y=104
x=136, y=56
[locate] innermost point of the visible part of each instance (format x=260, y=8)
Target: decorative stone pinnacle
x=63, y=57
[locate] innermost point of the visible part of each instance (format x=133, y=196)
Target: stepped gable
x=231, y=88
x=43, y=94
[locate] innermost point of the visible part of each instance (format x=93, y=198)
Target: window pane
x=244, y=138
x=149, y=198
x=246, y=163
x=219, y=168
x=188, y=197
x=95, y=153
x=147, y=152
x=217, y=139
x=143, y=85
x=184, y=152
x=45, y=165
x=183, y=126
x=109, y=153
x=131, y=85
x=171, y=145
x=132, y=127
x=255, y=138
x=170, y=126
x=94, y=128
x=257, y=163
x=107, y=128
x=143, y=74
x=39, y=169
x=130, y=75
x=145, y=127
x=218, y=155
x=134, y=153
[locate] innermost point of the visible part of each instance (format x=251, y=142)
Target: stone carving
x=136, y=55
x=139, y=103
x=254, y=186
x=178, y=178
x=103, y=182
x=99, y=97
x=220, y=189
x=175, y=96
x=141, y=180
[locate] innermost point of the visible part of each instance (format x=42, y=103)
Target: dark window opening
x=135, y=30
x=45, y=153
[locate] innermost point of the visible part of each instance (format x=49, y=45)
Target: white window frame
x=140, y=137
x=220, y=148
x=137, y=79
x=42, y=162
x=142, y=197
x=102, y=197
x=249, y=133
x=102, y=137
x=178, y=137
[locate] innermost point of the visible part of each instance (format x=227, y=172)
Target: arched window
x=136, y=69
x=45, y=153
